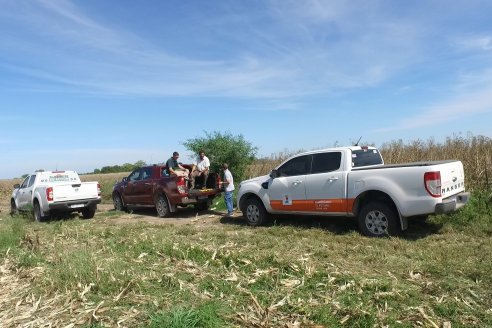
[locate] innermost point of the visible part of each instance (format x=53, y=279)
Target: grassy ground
x=295, y=272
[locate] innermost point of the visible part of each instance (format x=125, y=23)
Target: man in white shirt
x=200, y=168
x=228, y=189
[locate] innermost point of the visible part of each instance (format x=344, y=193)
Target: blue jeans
x=228, y=201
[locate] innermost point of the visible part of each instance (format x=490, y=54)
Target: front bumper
x=453, y=203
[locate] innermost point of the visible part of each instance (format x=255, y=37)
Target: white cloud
x=465, y=105
x=290, y=57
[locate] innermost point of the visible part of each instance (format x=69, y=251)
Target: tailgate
x=70, y=192
x=203, y=193
x=452, y=178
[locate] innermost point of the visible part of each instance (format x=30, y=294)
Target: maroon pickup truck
x=151, y=186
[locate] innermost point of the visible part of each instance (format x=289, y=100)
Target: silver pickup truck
x=47, y=192
x=355, y=182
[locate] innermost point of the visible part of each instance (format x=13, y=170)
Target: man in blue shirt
x=174, y=168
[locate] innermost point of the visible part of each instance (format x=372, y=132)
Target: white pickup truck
x=355, y=182
x=48, y=192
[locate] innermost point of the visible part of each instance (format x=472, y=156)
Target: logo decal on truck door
x=286, y=200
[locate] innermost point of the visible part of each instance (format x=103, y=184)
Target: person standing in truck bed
x=174, y=168
x=200, y=168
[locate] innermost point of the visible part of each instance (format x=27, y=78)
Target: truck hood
x=260, y=179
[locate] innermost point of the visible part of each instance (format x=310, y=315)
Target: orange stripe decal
x=315, y=205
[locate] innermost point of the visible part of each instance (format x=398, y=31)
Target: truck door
x=287, y=191
x=143, y=187
x=130, y=193
x=325, y=185
x=22, y=194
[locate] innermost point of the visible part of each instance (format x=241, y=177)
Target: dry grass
x=314, y=274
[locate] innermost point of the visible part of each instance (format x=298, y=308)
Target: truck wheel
x=378, y=220
x=88, y=212
x=255, y=213
x=118, y=203
x=13, y=208
x=162, y=206
x=38, y=215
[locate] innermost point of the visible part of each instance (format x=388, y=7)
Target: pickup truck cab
x=152, y=186
x=47, y=192
x=355, y=182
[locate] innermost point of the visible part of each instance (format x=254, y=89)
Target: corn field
x=475, y=152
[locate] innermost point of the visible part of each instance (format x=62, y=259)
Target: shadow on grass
x=417, y=228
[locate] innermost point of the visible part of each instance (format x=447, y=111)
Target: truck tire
x=118, y=202
x=88, y=212
x=13, y=208
x=254, y=212
x=162, y=206
x=377, y=219
x=38, y=214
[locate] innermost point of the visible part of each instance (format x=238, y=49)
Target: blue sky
x=90, y=83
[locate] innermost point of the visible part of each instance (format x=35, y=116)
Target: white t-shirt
x=228, y=178
x=202, y=164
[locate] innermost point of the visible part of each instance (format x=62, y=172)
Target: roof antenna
x=357, y=143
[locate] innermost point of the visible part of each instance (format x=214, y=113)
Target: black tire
x=162, y=206
x=377, y=219
x=254, y=212
x=89, y=212
x=38, y=216
x=13, y=208
x=118, y=202
x=203, y=206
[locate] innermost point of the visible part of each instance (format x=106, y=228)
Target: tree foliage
x=225, y=148
x=127, y=167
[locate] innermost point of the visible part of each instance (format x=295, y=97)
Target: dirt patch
x=187, y=215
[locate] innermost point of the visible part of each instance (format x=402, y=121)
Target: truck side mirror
x=16, y=186
x=274, y=174
x=125, y=179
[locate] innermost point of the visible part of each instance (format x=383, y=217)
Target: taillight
x=181, y=185
x=98, y=189
x=49, y=194
x=432, y=182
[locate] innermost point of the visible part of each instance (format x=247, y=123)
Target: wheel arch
x=247, y=196
x=159, y=192
x=119, y=194
x=376, y=195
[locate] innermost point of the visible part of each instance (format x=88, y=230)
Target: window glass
x=135, y=176
x=365, y=157
x=326, y=162
x=147, y=173
x=31, y=180
x=296, y=166
x=24, y=183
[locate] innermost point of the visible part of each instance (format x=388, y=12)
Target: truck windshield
x=366, y=157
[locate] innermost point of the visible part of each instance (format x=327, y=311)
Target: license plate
x=77, y=205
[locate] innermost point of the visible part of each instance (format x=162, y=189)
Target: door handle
x=147, y=184
x=295, y=183
x=333, y=178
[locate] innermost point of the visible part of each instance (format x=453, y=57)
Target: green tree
x=225, y=148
